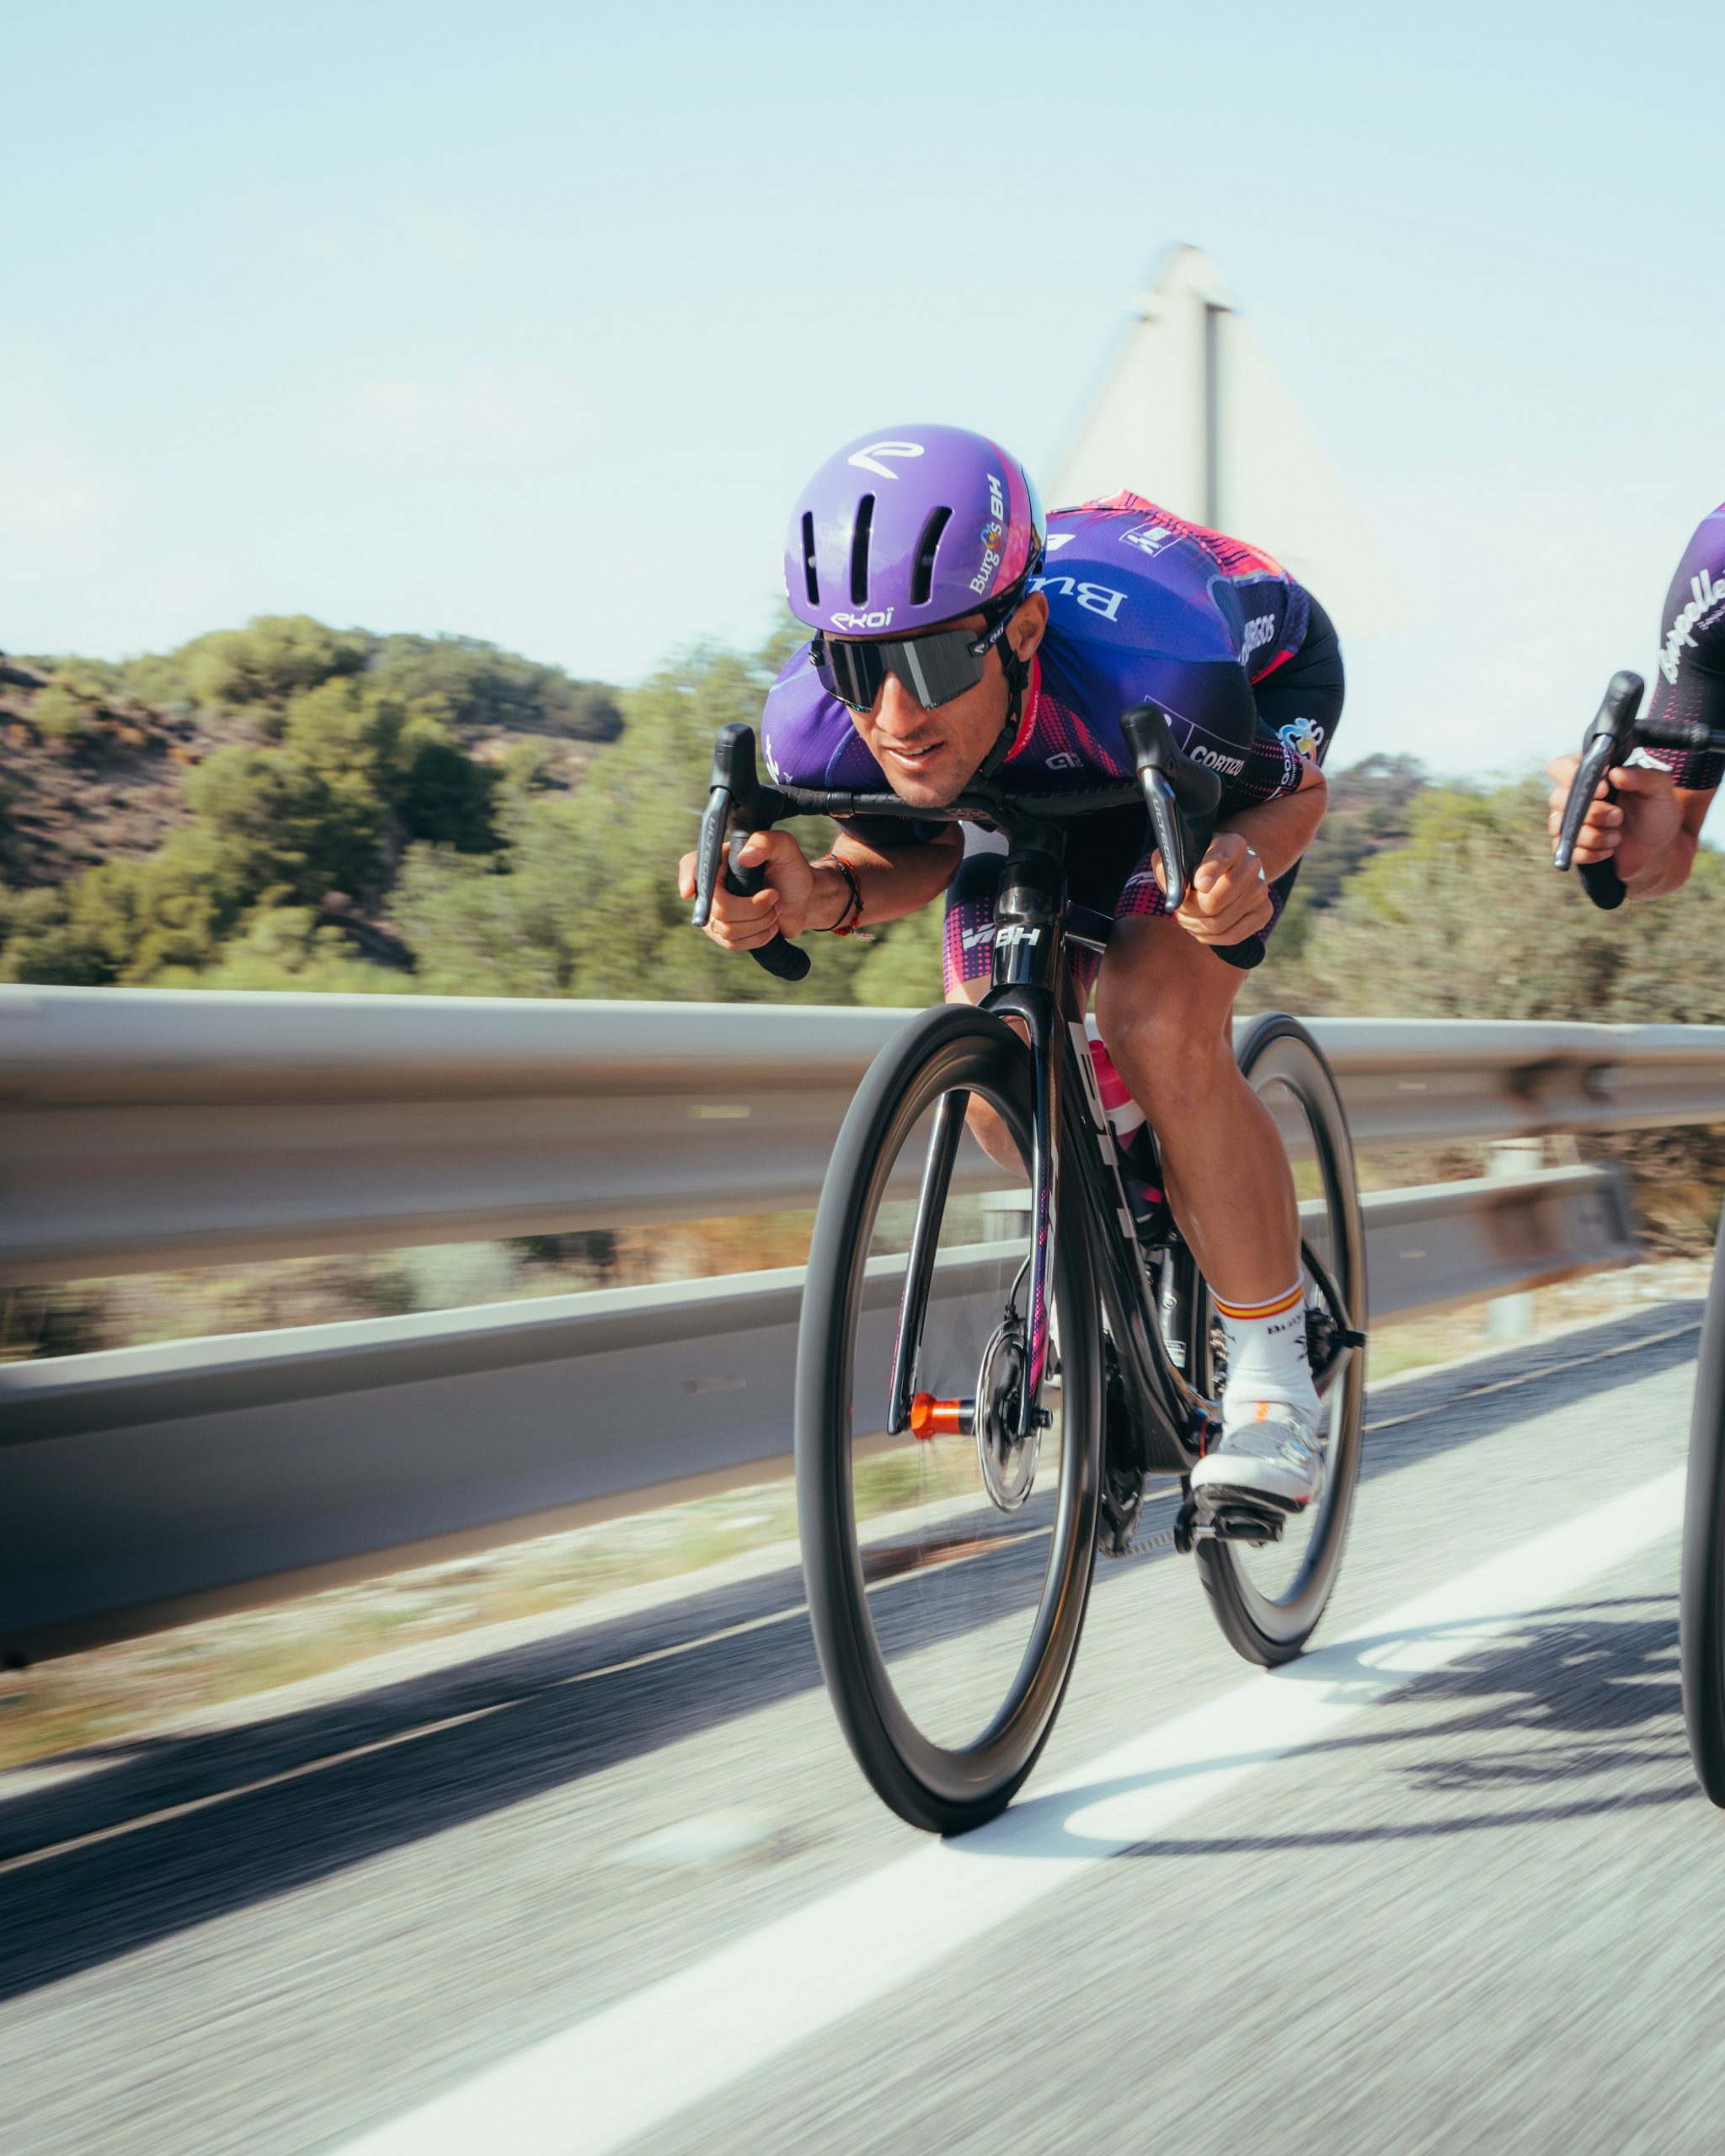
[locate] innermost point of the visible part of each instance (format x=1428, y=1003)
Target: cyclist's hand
x=1630, y=832
x=741, y=923
x=1230, y=896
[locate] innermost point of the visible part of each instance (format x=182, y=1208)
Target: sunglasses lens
x=858, y=671
x=935, y=668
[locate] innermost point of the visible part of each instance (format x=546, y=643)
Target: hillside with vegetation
x=293, y=806
x=289, y=805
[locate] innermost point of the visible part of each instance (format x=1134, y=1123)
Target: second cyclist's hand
x=1631, y=831
x=1230, y=897
x=743, y=923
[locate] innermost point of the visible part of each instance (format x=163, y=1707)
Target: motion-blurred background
x=400, y=404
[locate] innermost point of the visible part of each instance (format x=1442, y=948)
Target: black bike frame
x=1031, y=984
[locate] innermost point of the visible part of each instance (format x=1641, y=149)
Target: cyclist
x=958, y=633
x=1653, y=830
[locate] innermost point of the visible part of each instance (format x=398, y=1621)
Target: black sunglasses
x=934, y=668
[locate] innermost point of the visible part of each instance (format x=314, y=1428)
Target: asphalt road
x=1448, y=1885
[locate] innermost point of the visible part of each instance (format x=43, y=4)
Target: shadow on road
x=1577, y=1699
x=387, y=1766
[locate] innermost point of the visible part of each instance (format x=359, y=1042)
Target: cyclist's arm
x=1670, y=871
x=1652, y=830
x=1278, y=831
x=1231, y=896
x=894, y=877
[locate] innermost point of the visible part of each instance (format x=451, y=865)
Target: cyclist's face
x=930, y=757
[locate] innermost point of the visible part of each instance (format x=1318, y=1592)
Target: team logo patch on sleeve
x=1304, y=736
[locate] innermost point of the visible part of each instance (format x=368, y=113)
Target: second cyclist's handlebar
x=1181, y=797
x=1612, y=738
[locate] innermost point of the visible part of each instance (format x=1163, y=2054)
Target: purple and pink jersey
x=1690, y=682
x=1141, y=604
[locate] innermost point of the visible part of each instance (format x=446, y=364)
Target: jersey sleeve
x=806, y=735
x=1689, y=683
x=1272, y=767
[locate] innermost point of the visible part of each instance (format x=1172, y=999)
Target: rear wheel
x=1701, y=1622
x=1269, y=1600
x=948, y=1562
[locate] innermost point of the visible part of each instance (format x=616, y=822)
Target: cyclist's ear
x=1028, y=625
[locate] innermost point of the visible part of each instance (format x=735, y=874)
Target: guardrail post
x=1510, y=1317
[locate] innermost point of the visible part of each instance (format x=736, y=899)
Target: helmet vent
x=809, y=575
x=859, y=551
x=922, y=575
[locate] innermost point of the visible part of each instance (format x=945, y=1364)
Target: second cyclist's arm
x=1669, y=868
x=893, y=878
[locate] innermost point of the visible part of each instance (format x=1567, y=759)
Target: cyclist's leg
x=1164, y=1007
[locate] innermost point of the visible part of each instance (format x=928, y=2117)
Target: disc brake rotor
x=1006, y=1461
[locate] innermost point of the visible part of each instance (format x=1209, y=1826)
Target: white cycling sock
x=1267, y=1360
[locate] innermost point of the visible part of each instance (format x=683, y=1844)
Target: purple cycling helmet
x=911, y=526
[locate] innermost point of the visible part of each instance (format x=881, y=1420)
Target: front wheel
x=1267, y=1601
x=1701, y=1614
x=948, y=1558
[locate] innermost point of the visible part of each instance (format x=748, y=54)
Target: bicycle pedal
x=1238, y=1522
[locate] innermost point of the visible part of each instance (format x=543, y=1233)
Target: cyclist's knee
x=1172, y=1059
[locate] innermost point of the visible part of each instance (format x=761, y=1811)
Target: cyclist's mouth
x=915, y=760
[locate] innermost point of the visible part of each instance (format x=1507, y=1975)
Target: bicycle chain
x=1165, y=1540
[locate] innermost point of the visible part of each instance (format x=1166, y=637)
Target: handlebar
x=1181, y=798
x=737, y=805
x=1608, y=744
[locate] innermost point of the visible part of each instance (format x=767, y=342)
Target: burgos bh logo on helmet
x=994, y=535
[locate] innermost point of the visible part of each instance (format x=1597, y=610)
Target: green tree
x=1469, y=920
x=481, y=688
x=268, y=660
x=62, y=712
x=122, y=922
x=583, y=899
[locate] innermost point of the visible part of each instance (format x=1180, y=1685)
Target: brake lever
x=1607, y=742
x=1181, y=796
x=709, y=851
x=737, y=806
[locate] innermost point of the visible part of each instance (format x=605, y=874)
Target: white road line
x=605, y=2080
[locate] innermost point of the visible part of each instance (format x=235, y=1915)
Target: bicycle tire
x=1264, y=1628
x=1702, y=1598
x=942, y=1790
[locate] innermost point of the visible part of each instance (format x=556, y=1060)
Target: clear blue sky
x=526, y=320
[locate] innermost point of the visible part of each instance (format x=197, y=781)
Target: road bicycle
x=1616, y=734
x=992, y=1384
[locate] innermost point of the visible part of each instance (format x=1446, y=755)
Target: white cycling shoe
x=1271, y=1457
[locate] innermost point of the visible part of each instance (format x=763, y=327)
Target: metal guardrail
x=148, y=1485
x=143, y=1129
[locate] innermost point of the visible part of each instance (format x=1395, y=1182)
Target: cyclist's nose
x=899, y=712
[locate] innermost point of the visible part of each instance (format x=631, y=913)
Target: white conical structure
x=1192, y=413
